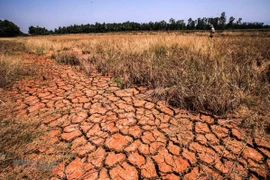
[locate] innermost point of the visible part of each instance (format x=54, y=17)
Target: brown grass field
x=227, y=76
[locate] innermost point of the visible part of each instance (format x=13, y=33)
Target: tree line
x=220, y=23
x=9, y=29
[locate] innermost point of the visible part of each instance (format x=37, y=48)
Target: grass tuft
x=67, y=58
x=10, y=69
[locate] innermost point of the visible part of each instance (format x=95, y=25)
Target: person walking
x=212, y=32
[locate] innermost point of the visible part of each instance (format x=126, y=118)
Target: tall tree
x=189, y=25
x=223, y=20
x=172, y=24
x=239, y=21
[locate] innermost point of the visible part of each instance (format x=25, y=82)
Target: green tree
x=180, y=24
x=38, y=30
x=172, y=25
x=9, y=29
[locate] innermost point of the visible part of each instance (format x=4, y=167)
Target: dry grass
x=11, y=46
x=67, y=58
x=224, y=75
x=10, y=69
x=11, y=65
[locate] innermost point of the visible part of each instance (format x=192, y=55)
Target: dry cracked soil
x=125, y=134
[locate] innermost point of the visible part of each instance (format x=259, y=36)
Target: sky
x=54, y=13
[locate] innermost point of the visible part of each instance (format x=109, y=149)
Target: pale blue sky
x=54, y=13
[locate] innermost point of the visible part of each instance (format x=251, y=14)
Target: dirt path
x=124, y=134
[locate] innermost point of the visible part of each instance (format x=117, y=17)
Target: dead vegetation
x=67, y=58
x=10, y=69
x=11, y=65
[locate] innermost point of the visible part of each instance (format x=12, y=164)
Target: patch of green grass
x=118, y=82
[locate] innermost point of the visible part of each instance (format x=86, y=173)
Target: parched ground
x=125, y=134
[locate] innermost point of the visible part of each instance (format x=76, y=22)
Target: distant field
x=224, y=75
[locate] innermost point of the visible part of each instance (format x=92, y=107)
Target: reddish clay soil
x=125, y=134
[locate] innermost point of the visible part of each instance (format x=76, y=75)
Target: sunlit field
x=228, y=74
x=223, y=79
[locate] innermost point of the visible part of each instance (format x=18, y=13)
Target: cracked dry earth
x=125, y=134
